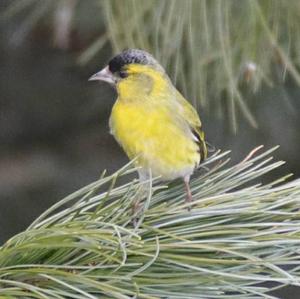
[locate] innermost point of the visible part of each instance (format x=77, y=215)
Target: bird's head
x=133, y=71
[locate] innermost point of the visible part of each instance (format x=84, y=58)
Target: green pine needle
x=239, y=234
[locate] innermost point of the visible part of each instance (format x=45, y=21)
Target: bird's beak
x=104, y=75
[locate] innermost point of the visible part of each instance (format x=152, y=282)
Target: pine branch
x=239, y=234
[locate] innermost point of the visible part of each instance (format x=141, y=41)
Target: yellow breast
x=150, y=133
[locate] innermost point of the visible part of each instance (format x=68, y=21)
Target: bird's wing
x=190, y=115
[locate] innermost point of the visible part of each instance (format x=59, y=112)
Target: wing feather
x=190, y=115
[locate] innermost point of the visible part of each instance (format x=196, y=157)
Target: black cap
x=131, y=56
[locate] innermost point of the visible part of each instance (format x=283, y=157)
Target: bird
x=151, y=120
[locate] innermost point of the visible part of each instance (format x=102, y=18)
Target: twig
x=251, y=154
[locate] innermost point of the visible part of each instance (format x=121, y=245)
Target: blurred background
x=237, y=62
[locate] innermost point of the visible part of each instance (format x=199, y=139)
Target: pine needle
x=239, y=234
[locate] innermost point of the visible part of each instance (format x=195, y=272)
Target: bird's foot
x=136, y=208
x=189, y=199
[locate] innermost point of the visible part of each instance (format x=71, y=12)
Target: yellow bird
x=151, y=120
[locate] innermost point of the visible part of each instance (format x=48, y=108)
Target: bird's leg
x=189, y=197
x=136, y=205
x=134, y=209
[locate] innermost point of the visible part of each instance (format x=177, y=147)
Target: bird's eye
x=123, y=74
